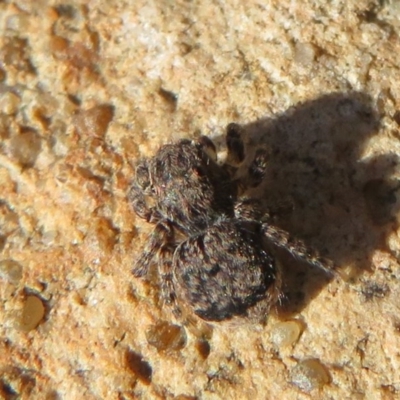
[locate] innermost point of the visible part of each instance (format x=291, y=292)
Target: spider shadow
x=322, y=188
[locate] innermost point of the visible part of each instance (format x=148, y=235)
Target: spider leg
x=252, y=209
x=165, y=266
x=161, y=235
x=141, y=189
x=208, y=147
x=235, y=143
x=296, y=247
x=258, y=168
x=140, y=206
x=249, y=209
x=236, y=155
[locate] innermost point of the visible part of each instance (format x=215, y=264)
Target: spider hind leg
x=296, y=247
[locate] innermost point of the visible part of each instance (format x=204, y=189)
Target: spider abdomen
x=225, y=271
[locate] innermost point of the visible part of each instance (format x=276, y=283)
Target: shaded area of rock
x=140, y=367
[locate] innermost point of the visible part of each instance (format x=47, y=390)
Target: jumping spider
x=214, y=246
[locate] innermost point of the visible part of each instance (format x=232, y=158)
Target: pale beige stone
x=95, y=86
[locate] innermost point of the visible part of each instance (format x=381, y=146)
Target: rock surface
x=88, y=88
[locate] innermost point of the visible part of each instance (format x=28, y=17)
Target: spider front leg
x=165, y=267
x=258, y=168
x=234, y=143
x=162, y=235
x=140, y=190
x=236, y=154
x=247, y=208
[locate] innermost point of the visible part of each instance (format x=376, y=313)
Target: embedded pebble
x=94, y=121
x=9, y=103
x=348, y=272
x=304, y=53
x=203, y=347
x=14, y=53
x=26, y=147
x=286, y=333
x=11, y=271
x=165, y=336
x=32, y=313
x=102, y=236
x=309, y=374
x=58, y=46
x=18, y=22
x=5, y=128
x=49, y=237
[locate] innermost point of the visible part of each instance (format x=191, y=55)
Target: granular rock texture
x=89, y=88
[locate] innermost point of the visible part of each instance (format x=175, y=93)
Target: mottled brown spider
x=215, y=248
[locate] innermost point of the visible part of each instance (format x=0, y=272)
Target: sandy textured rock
x=88, y=88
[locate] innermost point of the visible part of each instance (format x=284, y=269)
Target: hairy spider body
x=225, y=271
x=214, y=249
